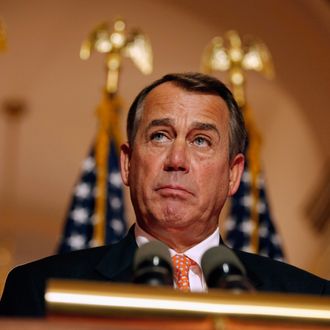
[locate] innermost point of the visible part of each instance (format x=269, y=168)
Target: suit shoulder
x=63, y=265
x=279, y=276
x=28, y=281
x=80, y=264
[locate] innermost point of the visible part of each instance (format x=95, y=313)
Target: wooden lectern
x=99, y=305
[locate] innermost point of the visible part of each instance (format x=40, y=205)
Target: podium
x=99, y=305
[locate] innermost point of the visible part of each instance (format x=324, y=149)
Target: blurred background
x=48, y=98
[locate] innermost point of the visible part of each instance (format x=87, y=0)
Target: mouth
x=173, y=190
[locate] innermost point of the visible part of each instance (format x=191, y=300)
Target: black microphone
x=153, y=265
x=223, y=270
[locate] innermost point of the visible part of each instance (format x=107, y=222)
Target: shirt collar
x=195, y=253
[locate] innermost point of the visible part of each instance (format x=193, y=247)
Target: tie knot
x=181, y=264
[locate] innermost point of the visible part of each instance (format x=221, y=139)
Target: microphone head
x=153, y=264
x=223, y=269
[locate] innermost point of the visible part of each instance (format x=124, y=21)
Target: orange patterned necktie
x=181, y=265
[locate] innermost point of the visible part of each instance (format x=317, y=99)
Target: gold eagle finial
x=232, y=55
x=117, y=44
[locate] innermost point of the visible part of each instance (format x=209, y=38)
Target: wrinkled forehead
x=168, y=99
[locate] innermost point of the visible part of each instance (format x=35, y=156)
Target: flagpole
x=231, y=55
x=3, y=37
x=115, y=44
x=253, y=158
x=109, y=122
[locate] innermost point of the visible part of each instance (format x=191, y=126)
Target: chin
x=175, y=215
x=175, y=222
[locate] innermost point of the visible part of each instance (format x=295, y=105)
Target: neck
x=178, y=239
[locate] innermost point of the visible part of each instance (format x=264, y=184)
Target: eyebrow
x=206, y=127
x=160, y=122
x=195, y=125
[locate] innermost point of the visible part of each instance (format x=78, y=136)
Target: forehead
x=170, y=100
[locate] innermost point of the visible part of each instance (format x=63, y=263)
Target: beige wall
x=40, y=156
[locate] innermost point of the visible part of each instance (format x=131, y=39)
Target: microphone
x=223, y=270
x=153, y=265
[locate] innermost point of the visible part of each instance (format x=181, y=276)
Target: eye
x=201, y=141
x=158, y=137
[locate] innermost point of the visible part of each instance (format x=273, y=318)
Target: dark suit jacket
x=25, y=286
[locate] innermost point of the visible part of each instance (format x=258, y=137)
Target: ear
x=125, y=156
x=235, y=173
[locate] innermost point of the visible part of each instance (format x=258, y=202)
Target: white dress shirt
x=196, y=277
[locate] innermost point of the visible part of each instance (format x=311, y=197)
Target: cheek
x=215, y=179
x=136, y=170
x=143, y=168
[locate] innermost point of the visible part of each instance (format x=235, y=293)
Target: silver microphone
x=222, y=269
x=153, y=265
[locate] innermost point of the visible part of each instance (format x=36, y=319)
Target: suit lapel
x=255, y=280
x=117, y=264
x=249, y=262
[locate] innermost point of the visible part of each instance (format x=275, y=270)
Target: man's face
x=178, y=169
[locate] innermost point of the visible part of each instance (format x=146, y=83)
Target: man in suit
x=183, y=158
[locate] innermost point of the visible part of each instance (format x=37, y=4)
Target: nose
x=178, y=158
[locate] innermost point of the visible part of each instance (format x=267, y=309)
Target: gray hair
x=199, y=83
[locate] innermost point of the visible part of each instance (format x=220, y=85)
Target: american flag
x=79, y=225
x=239, y=225
x=249, y=226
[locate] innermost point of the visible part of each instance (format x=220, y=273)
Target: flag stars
x=82, y=216
x=241, y=222
x=247, y=227
x=117, y=225
x=276, y=240
x=115, y=179
x=79, y=215
x=115, y=202
x=82, y=190
x=230, y=224
x=263, y=231
x=88, y=164
x=247, y=201
x=76, y=241
x=246, y=177
x=262, y=207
